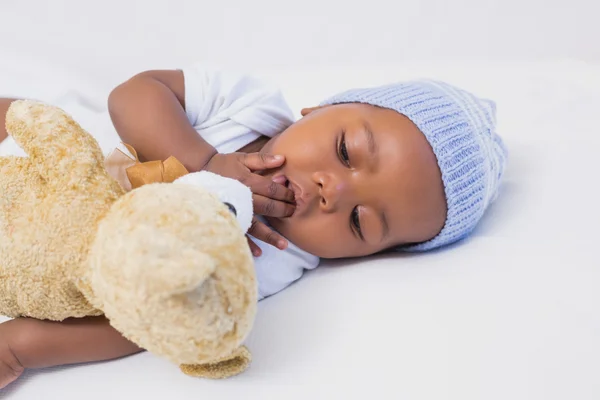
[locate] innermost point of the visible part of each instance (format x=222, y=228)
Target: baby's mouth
x=297, y=192
x=282, y=180
x=285, y=181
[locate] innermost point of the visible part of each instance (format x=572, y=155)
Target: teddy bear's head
x=167, y=263
x=173, y=272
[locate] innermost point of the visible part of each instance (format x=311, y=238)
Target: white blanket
x=510, y=313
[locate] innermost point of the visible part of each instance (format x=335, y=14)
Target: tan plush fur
x=167, y=264
x=51, y=203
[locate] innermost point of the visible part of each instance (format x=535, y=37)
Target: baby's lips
x=280, y=179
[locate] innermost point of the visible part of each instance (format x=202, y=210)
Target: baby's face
x=365, y=179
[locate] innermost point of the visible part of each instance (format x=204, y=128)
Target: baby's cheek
x=318, y=235
x=295, y=150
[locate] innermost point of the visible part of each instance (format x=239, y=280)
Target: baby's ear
x=305, y=111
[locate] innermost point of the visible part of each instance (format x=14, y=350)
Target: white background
x=271, y=33
x=511, y=313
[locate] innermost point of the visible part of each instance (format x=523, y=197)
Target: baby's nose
x=331, y=191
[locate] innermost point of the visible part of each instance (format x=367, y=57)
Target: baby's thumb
x=262, y=161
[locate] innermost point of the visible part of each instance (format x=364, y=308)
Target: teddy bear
x=167, y=263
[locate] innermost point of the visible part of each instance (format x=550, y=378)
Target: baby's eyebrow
x=371, y=143
x=384, y=225
x=373, y=153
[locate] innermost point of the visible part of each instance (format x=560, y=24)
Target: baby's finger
x=254, y=249
x=262, y=232
x=262, y=161
x=269, y=188
x=271, y=208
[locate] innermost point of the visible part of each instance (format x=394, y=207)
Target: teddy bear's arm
x=59, y=147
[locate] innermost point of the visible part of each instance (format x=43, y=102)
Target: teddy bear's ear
x=146, y=271
x=62, y=151
x=179, y=274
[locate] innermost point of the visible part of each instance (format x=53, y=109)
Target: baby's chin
x=290, y=230
x=285, y=227
x=279, y=225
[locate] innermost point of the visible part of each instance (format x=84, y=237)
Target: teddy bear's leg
x=61, y=150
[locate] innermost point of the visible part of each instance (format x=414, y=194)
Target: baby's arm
x=32, y=343
x=148, y=112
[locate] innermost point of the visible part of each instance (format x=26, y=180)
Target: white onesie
x=229, y=110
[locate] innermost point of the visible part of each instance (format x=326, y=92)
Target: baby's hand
x=269, y=198
x=10, y=367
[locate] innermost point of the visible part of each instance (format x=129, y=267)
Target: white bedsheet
x=510, y=313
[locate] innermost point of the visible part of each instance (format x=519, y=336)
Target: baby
x=409, y=166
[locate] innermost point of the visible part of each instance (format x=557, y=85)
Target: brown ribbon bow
x=131, y=173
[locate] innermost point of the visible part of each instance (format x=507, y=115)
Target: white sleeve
x=215, y=96
x=277, y=269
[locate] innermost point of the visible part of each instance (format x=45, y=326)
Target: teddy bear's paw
x=234, y=364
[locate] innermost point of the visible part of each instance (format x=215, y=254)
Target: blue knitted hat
x=461, y=130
